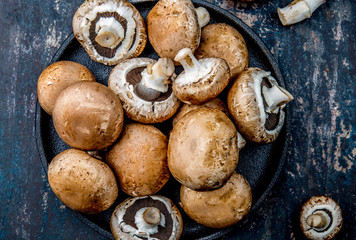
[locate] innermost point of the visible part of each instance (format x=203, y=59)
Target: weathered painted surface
x=317, y=58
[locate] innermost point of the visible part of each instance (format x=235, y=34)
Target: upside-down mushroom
x=143, y=86
x=256, y=102
x=110, y=31
x=201, y=80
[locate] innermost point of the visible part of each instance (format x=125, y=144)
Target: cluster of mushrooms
x=202, y=149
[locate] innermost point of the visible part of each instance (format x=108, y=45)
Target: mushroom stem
x=109, y=32
x=152, y=216
x=318, y=220
x=189, y=62
x=298, y=10
x=275, y=97
x=155, y=79
x=203, y=16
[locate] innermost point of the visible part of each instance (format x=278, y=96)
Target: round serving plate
x=259, y=164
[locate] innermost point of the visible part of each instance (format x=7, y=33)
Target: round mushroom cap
x=88, y=116
x=139, y=159
x=82, y=182
x=173, y=25
x=327, y=220
x=247, y=103
x=110, y=31
x=202, y=149
x=219, y=208
x=186, y=108
x=203, y=85
x=220, y=40
x=123, y=80
x=57, y=77
x=131, y=221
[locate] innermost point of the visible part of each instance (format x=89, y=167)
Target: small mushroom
x=110, y=31
x=173, y=25
x=298, y=10
x=201, y=80
x=320, y=218
x=82, y=182
x=88, y=116
x=256, y=103
x=150, y=217
x=202, y=149
x=139, y=159
x=221, y=40
x=57, y=77
x=143, y=86
x=218, y=208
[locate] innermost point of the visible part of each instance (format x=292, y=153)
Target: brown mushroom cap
x=248, y=107
x=223, y=41
x=123, y=80
x=82, y=182
x=202, y=149
x=98, y=21
x=139, y=159
x=320, y=218
x=219, y=208
x=88, y=116
x=128, y=219
x=186, y=108
x=201, y=80
x=173, y=25
x=57, y=77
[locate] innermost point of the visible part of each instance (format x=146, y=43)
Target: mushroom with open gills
x=139, y=159
x=150, y=217
x=221, y=40
x=173, y=25
x=201, y=80
x=143, y=86
x=203, y=149
x=88, y=116
x=110, y=30
x=256, y=103
x=57, y=77
x=320, y=218
x=221, y=207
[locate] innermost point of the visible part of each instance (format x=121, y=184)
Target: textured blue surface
x=317, y=58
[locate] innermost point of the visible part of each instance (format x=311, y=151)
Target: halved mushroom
x=201, y=80
x=143, y=86
x=110, y=31
x=82, y=182
x=218, y=208
x=173, y=25
x=202, y=149
x=139, y=159
x=256, y=103
x=221, y=40
x=88, y=116
x=320, y=218
x=57, y=77
x=151, y=217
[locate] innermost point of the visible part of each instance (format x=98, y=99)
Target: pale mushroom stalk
x=189, y=62
x=148, y=219
x=203, y=16
x=109, y=32
x=319, y=220
x=275, y=97
x=155, y=79
x=298, y=10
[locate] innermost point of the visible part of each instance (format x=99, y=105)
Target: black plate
x=259, y=164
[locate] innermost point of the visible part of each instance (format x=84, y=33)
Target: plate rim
x=287, y=124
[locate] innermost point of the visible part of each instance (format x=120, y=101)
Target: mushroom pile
x=201, y=149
